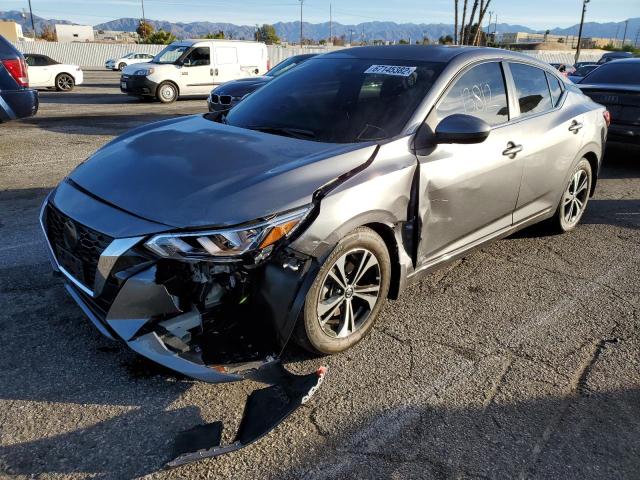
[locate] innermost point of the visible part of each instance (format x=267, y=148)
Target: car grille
x=77, y=248
x=221, y=99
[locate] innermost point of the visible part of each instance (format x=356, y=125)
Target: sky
x=538, y=14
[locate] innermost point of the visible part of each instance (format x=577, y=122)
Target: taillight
x=268, y=65
x=607, y=117
x=18, y=70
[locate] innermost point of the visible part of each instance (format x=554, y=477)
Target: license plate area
x=123, y=85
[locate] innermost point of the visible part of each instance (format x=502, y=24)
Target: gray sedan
x=207, y=243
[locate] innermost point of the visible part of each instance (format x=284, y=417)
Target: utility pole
x=495, y=27
x=624, y=35
x=330, y=25
x=616, y=38
x=584, y=10
x=301, y=3
x=33, y=25
x=350, y=36
x=144, y=22
x=486, y=38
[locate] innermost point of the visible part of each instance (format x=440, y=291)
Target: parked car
x=44, y=72
x=17, y=100
x=231, y=93
x=207, y=242
x=607, y=57
x=564, y=69
x=582, y=71
x=129, y=59
x=616, y=85
x=193, y=67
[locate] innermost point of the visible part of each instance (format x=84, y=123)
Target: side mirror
x=459, y=128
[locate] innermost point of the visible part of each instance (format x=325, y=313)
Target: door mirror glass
x=460, y=128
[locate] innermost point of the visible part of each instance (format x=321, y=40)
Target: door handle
x=575, y=126
x=512, y=149
x=214, y=72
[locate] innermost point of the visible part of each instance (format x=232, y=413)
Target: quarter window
x=480, y=92
x=556, y=89
x=532, y=89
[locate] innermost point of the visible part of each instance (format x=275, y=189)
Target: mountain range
x=290, y=31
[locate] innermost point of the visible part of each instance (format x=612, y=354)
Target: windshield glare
x=339, y=100
x=170, y=54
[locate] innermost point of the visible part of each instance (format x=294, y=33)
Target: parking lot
x=519, y=361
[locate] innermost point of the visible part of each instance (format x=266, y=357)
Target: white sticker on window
x=395, y=70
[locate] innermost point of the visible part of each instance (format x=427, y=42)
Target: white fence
x=95, y=54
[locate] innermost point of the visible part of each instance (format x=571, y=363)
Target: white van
x=193, y=68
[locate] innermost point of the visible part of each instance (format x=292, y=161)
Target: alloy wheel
x=65, y=82
x=575, y=197
x=349, y=293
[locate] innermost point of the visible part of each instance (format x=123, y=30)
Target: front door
x=39, y=72
x=197, y=72
x=468, y=192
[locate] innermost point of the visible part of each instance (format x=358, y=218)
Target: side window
x=532, y=89
x=555, y=87
x=199, y=56
x=226, y=55
x=40, y=61
x=31, y=61
x=479, y=92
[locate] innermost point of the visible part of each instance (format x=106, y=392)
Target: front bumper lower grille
x=77, y=248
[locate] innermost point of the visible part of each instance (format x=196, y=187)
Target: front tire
x=64, y=82
x=574, y=200
x=347, y=295
x=121, y=66
x=167, y=92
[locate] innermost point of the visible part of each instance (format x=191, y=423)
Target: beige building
x=12, y=31
x=542, y=40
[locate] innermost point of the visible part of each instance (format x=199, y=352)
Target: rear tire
x=574, y=199
x=64, y=82
x=347, y=295
x=167, y=92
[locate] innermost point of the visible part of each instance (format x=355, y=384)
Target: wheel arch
x=592, y=158
x=388, y=237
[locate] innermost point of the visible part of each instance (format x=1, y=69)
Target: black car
x=616, y=85
x=229, y=94
x=17, y=100
x=608, y=57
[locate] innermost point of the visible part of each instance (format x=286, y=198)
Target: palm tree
x=455, y=26
x=483, y=10
x=464, y=16
x=467, y=32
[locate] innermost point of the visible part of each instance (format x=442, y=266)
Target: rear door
x=197, y=72
x=551, y=136
x=469, y=192
x=227, y=64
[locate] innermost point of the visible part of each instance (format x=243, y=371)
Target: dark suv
x=17, y=100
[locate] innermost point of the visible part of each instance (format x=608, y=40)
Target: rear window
x=339, y=100
x=532, y=89
x=623, y=73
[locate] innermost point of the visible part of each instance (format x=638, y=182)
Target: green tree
x=219, y=35
x=445, y=40
x=160, y=37
x=267, y=34
x=144, y=29
x=402, y=41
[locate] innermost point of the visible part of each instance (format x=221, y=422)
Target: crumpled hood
x=192, y=172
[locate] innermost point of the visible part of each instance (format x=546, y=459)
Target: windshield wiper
x=284, y=131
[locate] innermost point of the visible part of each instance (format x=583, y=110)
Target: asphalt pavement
x=519, y=361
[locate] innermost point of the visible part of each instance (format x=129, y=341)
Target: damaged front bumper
x=211, y=322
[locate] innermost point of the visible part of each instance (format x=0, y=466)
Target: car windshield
x=285, y=66
x=339, y=100
x=623, y=73
x=170, y=54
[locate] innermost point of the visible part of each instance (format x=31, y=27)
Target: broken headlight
x=216, y=245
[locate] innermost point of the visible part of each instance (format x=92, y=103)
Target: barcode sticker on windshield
x=391, y=70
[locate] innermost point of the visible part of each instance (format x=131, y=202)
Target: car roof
x=431, y=53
